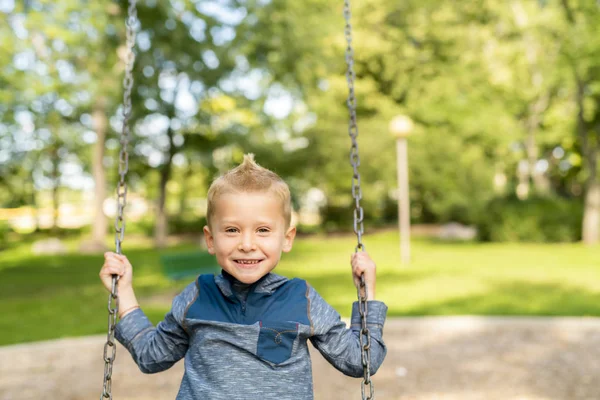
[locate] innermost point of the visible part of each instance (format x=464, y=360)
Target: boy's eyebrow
x=228, y=222
x=236, y=222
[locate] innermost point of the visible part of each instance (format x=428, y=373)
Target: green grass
x=44, y=297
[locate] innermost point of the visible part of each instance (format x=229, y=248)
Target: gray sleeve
x=157, y=349
x=339, y=344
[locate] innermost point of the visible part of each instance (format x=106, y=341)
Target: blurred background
x=479, y=126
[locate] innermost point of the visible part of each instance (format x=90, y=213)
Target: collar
x=227, y=284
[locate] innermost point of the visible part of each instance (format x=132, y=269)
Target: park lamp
x=401, y=126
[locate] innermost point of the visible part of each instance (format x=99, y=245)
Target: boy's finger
x=124, y=259
x=114, y=264
x=114, y=270
x=110, y=266
x=117, y=258
x=112, y=256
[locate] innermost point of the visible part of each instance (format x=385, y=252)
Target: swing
x=367, y=388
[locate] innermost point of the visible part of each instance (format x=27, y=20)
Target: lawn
x=44, y=297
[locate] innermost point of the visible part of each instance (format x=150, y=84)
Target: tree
x=580, y=49
x=49, y=90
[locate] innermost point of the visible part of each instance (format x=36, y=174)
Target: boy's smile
x=247, y=264
x=247, y=234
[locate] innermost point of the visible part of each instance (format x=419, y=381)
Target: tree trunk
x=161, y=227
x=591, y=213
x=184, y=188
x=100, y=224
x=589, y=152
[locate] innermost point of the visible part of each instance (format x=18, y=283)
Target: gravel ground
x=446, y=358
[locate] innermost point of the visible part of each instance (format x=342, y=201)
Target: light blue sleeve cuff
x=376, y=313
x=131, y=326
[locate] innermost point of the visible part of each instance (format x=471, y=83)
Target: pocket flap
x=276, y=340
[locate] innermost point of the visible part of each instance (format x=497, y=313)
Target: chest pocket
x=276, y=340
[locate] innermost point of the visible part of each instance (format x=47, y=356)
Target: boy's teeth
x=247, y=261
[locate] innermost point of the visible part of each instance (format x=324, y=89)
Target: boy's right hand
x=116, y=264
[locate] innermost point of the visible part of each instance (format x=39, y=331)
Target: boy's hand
x=117, y=264
x=363, y=264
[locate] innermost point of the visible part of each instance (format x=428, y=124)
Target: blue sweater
x=250, y=341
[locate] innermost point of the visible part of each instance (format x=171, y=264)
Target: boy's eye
x=231, y=230
x=263, y=230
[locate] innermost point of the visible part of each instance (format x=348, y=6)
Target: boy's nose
x=247, y=244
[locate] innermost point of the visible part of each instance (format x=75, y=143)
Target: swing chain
x=110, y=348
x=365, y=343
x=366, y=385
x=353, y=131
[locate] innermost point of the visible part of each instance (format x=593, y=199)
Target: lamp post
x=401, y=127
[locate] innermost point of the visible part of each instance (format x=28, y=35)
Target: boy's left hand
x=363, y=264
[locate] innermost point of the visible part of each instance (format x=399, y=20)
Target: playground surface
x=430, y=358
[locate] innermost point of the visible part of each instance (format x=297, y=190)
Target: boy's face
x=248, y=233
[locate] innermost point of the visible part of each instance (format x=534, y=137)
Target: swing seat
x=188, y=264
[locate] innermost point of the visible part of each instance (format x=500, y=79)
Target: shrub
x=180, y=225
x=537, y=219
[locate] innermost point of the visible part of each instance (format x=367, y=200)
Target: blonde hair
x=249, y=177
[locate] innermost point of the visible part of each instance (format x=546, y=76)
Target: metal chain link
x=110, y=348
x=366, y=385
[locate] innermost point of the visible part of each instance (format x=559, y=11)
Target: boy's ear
x=208, y=237
x=289, y=239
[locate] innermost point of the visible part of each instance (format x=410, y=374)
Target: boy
x=244, y=332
